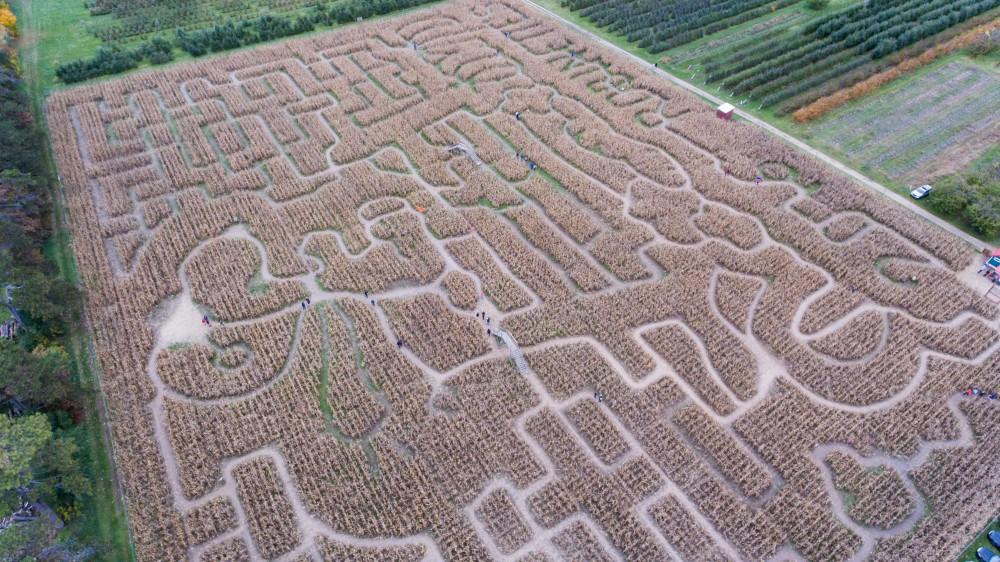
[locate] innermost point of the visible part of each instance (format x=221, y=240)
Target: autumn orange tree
x=7, y=18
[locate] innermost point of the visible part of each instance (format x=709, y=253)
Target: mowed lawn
x=52, y=32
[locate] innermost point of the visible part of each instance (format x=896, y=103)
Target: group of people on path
x=973, y=391
x=205, y=321
x=399, y=342
x=526, y=160
x=482, y=316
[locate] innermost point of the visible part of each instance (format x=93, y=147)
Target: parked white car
x=921, y=192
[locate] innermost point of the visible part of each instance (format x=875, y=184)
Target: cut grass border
x=103, y=520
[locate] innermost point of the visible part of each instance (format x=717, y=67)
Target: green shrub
x=984, y=44
x=817, y=4
x=951, y=195
x=158, y=50
x=106, y=61
x=984, y=212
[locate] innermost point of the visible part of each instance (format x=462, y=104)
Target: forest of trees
x=43, y=485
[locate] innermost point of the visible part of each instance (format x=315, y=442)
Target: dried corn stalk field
x=678, y=363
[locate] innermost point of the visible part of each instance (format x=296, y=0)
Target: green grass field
x=57, y=31
x=52, y=32
x=164, y=17
x=905, y=130
x=678, y=58
x=786, y=21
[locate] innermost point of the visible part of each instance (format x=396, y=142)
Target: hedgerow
x=223, y=36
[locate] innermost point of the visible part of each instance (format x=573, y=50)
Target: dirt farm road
x=863, y=179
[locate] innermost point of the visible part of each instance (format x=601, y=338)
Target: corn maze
x=460, y=285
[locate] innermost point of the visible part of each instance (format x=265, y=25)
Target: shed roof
x=726, y=108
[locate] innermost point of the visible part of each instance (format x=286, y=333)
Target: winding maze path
x=678, y=363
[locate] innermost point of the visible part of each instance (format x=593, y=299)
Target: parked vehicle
x=921, y=192
x=994, y=538
x=986, y=555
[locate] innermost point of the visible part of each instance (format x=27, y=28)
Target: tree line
x=44, y=481
x=224, y=36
